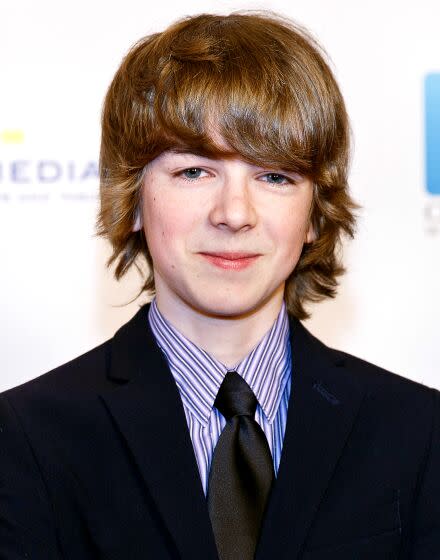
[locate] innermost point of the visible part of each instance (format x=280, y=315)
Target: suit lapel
x=147, y=408
x=148, y=411
x=323, y=405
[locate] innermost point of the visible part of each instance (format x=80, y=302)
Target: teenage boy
x=213, y=424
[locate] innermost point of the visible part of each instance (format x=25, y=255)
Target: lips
x=232, y=260
x=232, y=256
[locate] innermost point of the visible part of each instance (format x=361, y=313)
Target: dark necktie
x=241, y=473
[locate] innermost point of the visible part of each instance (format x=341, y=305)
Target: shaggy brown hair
x=264, y=83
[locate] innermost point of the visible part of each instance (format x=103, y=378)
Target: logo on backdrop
x=29, y=179
x=432, y=151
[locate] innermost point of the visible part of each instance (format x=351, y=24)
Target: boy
x=213, y=425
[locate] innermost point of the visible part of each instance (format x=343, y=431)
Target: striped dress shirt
x=198, y=376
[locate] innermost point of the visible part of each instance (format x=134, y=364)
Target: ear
x=310, y=234
x=137, y=226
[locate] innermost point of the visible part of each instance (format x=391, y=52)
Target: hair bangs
x=210, y=104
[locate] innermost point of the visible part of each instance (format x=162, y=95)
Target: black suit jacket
x=96, y=462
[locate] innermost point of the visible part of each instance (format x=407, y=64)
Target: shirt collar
x=199, y=375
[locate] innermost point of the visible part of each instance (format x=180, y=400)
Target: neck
x=228, y=339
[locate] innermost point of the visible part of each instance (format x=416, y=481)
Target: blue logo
x=432, y=132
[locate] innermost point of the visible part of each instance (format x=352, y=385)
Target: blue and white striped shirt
x=198, y=375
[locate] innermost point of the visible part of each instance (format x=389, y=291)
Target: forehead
x=214, y=148
x=213, y=145
x=176, y=157
x=222, y=137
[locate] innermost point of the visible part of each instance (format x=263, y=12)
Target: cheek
x=165, y=225
x=288, y=222
x=289, y=235
x=156, y=227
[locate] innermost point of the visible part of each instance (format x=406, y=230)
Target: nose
x=233, y=206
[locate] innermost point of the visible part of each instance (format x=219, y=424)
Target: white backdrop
x=56, y=298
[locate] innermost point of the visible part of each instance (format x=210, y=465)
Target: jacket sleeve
x=426, y=541
x=27, y=529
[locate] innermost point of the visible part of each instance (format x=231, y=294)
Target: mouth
x=231, y=261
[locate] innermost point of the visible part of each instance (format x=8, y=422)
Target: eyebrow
x=203, y=153
x=226, y=155
x=193, y=152
x=185, y=151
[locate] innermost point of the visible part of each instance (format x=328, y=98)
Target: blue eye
x=192, y=173
x=277, y=179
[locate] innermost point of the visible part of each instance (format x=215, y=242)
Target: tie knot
x=235, y=397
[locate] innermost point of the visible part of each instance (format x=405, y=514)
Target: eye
x=277, y=179
x=192, y=173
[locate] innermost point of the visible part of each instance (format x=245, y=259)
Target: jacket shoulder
x=377, y=380
x=84, y=373
x=87, y=375
x=391, y=402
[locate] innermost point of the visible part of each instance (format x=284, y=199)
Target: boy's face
x=223, y=234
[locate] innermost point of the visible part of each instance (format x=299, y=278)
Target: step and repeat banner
x=57, y=299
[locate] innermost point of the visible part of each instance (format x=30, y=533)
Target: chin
x=216, y=305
